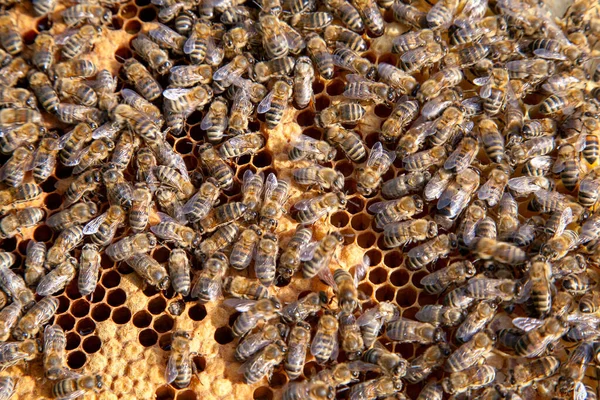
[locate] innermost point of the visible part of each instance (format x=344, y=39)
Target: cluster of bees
x=486, y=110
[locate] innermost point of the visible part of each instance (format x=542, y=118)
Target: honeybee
x=574, y=369
x=236, y=39
x=10, y=38
x=92, y=155
x=102, y=229
x=407, y=331
x=422, y=160
x=186, y=100
x=9, y=316
x=311, y=210
x=5, y=58
x=275, y=197
x=455, y=273
x=66, y=241
x=491, y=289
x=18, y=98
x=265, y=258
x=44, y=158
x=413, y=39
x=76, y=91
x=493, y=141
x=12, y=196
x=482, y=313
x=12, y=224
x=325, y=344
x=244, y=248
x=12, y=353
x=275, y=103
x=74, y=68
x=172, y=178
x=252, y=312
x=404, y=184
x=262, y=363
x=210, y=280
x=245, y=288
x=298, y=341
x=201, y=203
x=472, y=378
x=215, y=121
x=13, y=170
x=568, y=165
x=349, y=141
x=34, y=262
x=153, y=273
x=12, y=73
x=352, y=341
x=131, y=245
x=77, y=386
x=263, y=71
x=80, y=42
x=370, y=177
x=157, y=58
x=255, y=342
x=440, y=80
x=373, y=319
x=422, y=366
x=37, y=316
x=304, y=307
x=429, y=252
x=241, y=110
x=223, y=237
x=390, y=363
x=525, y=374
x=290, y=259
x=72, y=143
x=44, y=48
x=142, y=80
x=440, y=315
x=320, y=55
x=82, y=184
x=431, y=391
x=470, y=352
x=401, y=233
x=396, y=210
x=241, y=145
x=89, y=266
x=55, y=343
x=347, y=59
x=58, y=278
x=217, y=168
x=170, y=229
x=180, y=367
x=92, y=14
x=190, y=75
x=167, y=38
x=403, y=113
x=74, y=114
x=492, y=190
x=104, y=87
x=336, y=36
x=463, y=156
x=231, y=72
x=119, y=191
x=558, y=246
x=360, y=88
x=415, y=60
x=579, y=283
x=274, y=40
x=375, y=388
x=323, y=178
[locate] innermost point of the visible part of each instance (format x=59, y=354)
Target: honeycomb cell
x=164, y=342
x=278, y=379
x=163, y=324
x=410, y=312
x=224, y=335
x=123, y=54
x=322, y=103
x=142, y=319
x=306, y=118
x=405, y=349
x=91, y=344
x=382, y=111
x=335, y=87
x=111, y=279
x=318, y=86
x=360, y=222
x=73, y=341
x=374, y=256
x=157, y=305
x=187, y=395
x=116, y=297
x=76, y=359
x=195, y=118
x=425, y=299
x=339, y=219
x=199, y=362
x=406, y=296
x=128, y=11
x=385, y=293
x=345, y=167
x=63, y=304
x=29, y=37
x=165, y=393
x=11, y=245
x=147, y=14
x=100, y=312
x=148, y=337
x=378, y=275
x=98, y=294
x=262, y=159
x=142, y=3
x=80, y=308
x=399, y=277
x=355, y=204
x=184, y=146
x=72, y=290
x=392, y=259
x=121, y=315
x=42, y=233
x=150, y=291
x=161, y=254
x=66, y=321
x=85, y=326
x=366, y=240
x=263, y=393
x=53, y=201
x=117, y=23
x=44, y=24
x=416, y=278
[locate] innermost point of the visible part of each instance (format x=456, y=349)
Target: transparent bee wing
x=189, y=205
x=453, y=159
x=176, y=93
x=486, y=191
x=241, y=305
x=566, y=216
x=305, y=143
x=434, y=107
x=481, y=81
x=418, y=251
x=92, y=227
x=446, y=199
x=62, y=38
x=207, y=121
x=524, y=184
x=413, y=56
x=486, y=91
x=265, y=104
x=549, y=55
x=527, y=324
x=326, y=276
x=376, y=208
x=360, y=92
x=368, y=316
x=171, y=370
x=469, y=232
x=350, y=78
x=336, y=348
x=360, y=271
x=72, y=396
x=223, y=72
x=541, y=162
x=308, y=251
x=580, y=392
x=376, y=153
x=51, y=283
x=214, y=51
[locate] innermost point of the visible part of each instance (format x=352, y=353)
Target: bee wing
x=270, y=185
x=92, y=227
x=413, y=56
x=376, y=208
x=171, y=370
x=72, y=396
x=524, y=184
x=452, y=160
x=486, y=91
x=580, y=392
x=336, y=348
x=308, y=251
x=207, y=122
x=541, y=162
x=62, y=38
x=327, y=277
x=49, y=335
x=350, y=78
x=376, y=153
x=482, y=80
x=486, y=190
x=566, y=217
x=447, y=197
x=469, y=232
x=223, y=72
x=176, y=93
x=360, y=271
x=108, y=130
x=360, y=92
x=241, y=305
x=368, y=316
x=527, y=324
x=265, y=104
x=418, y=251
x=549, y=55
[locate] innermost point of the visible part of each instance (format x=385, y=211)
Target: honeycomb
x=123, y=330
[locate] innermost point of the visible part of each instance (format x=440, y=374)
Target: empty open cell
x=142, y=319
x=199, y=362
x=406, y=297
x=410, y=312
x=100, y=312
x=121, y=315
x=399, y=277
x=262, y=159
x=306, y=118
x=366, y=240
x=361, y=222
x=278, y=379
x=187, y=395
x=335, y=87
x=148, y=337
x=128, y=11
x=111, y=279
x=345, y=167
x=393, y=259
x=91, y=344
x=157, y=305
x=98, y=294
x=318, y=86
x=385, y=293
x=76, y=359
x=63, y=304
x=165, y=393
x=147, y=14
x=354, y=204
x=66, y=321
x=85, y=326
x=72, y=290
x=224, y=335
x=378, y=275
x=161, y=254
x=42, y=233
x=53, y=201
x=116, y=297
x=339, y=219
x=322, y=103
x=164, y=342
x=73, y=341
x=374, y=257
x=80, y=308
x=262, y=393
x=416, y=278
x=163, y=324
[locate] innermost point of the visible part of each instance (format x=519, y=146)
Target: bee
x=172, y=178
x=9, y=317
x=222, y=238
x=325, y=344
x=442, y=13
x=44, y=48
x=275, y=103
x=44, y=158
x=17, y=98
x=150, y=270
x=472, y=378
x=11, y=196
x=579, y=283
x=232, y=71
x=369, y=178
x=82, y=184
x=66, y=241
x=290, y=259
x=241, y=145
x=466, y=31
x=422, y=160
x=12, y=73
x=255, y=342
x=463, y=156
x=470, y=352
x=446, y=78
x=55, y=343
x=157, y=58
x=190, y=75
x=344, y=112
x=304, y=307
x=568, y=165
x=208, y=285
x=349, y=141
x=34, y=262
x=455, y=273
x=104, y=88
x=422, y=366
x=236, y=39
x=92, y=14
x=143, y=81
x=323, y=178
x=336, y=35
x=10, y=38
x=405, y=184
x=76, y=91
x=273, y=37
x=525, y=374
x=540, y=275
x=319, y=53
x=74, y=114
x=130, y=245
x=167, y=38
x=201, y=203
x=482, y=313
x=263, y=71
x=80, y=42
x=185, y=101
x=13, y=170
x=12, y=224
x=492, y=190
x=558, y=246
x=253, y=311
x=431, y=391
x=437, y=184
x=74, y=387
x=311, y=210
x=275, y=197
x=245, y=288
x=5, y=58
x=360, y=88
x=262, y=363
x=375, y=388
x=221, y=215
x=72, y=143
x=429, y=252
x=92, y=155
x=491, y=289
x=89, y=266
x=390, y=363
x=407, y=331
x=180, y=368
x=298, y=341
x=403, y=113
x=401, y=233
x=243, y=250
x=241, y=110
x=493, y=141
x=415, y=60
x=413, y=39
x=267, y=249
x=215, y=165
x=347, y=13
x=306, y=148
x=574, y=369
x=373, y=319
x=200, y=45
x=58, y=278
x=352, y=341
x=561, y=103
x=12, y=353
x=75, y=68
x=349, y=60
x=311, y=21
x=102, y=229
x=171, y=230
x=215, y=121
x=37, y=316
x=440, y=315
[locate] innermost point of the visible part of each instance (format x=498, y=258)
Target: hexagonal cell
x=85, y=326
x=142, y=319
x=80, y=308
x=262, y=393
x=76, y=359
x=197, y=312
x=165, y=393
x=111, y=279
x=66, y=321
x=100, y=312
x=393, y=259
x=339, y=219
x=406, y=296
x=129, y=11
x=187, y=395
x=399, y=277
x=163, y=324
x=121, y=315
x=116, y=297
x=366, y=240
x=157, y=305
x=335, y=87
x=91, y=344
x=361, y=222
x=147, y=14
x=73, y=341
x=224, y=335
x=164, y=342
x=148, y=337
x=385, y=293
x=378, y=275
